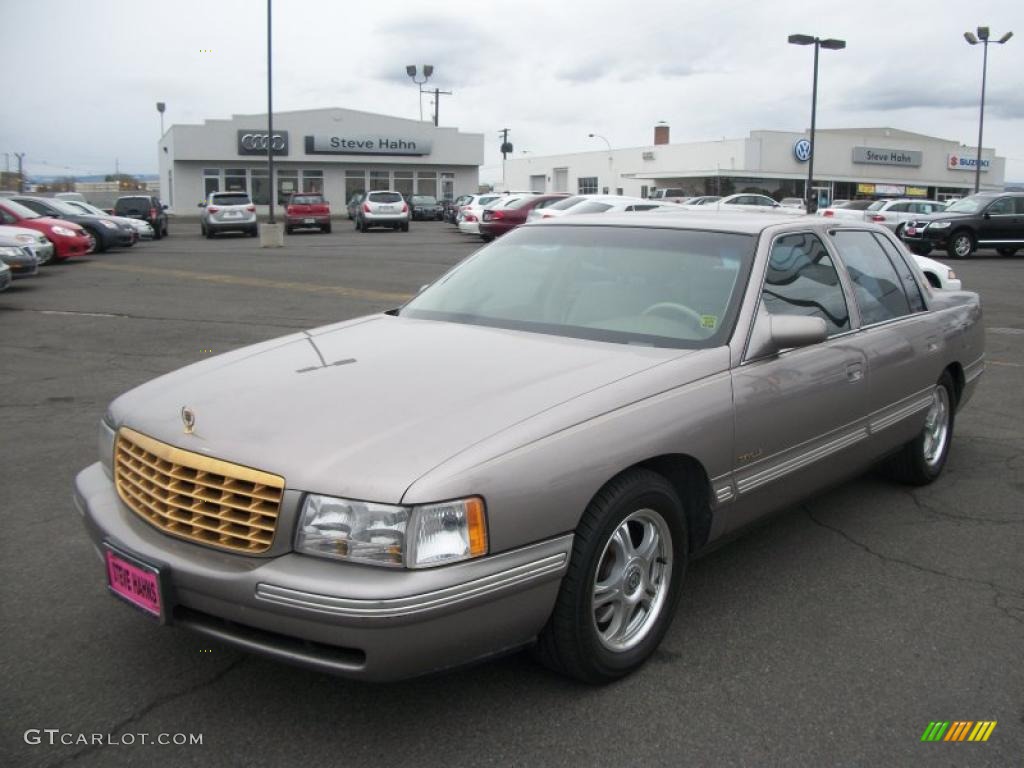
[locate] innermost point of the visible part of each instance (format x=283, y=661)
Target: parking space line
x=258, y=282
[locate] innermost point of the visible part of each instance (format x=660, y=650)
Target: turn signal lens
x=447, y=532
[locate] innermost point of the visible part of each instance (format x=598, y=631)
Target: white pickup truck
x=670, y=195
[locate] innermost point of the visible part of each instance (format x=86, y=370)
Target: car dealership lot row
x=832, y=634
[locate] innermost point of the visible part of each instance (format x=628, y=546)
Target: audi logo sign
x=254, y=142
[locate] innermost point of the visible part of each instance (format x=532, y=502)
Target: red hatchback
x=68, y=238
x=498, y=221
x=307, y=209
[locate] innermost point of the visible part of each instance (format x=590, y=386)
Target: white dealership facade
x=849, y=163
x=336, y=152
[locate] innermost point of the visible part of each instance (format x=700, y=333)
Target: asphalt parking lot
x=831, y=635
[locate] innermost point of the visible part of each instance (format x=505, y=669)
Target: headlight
x=385, y=534
x=64, y=232
x=10, y=250
x=107, y=434
x=108, y=224
x=940, y=225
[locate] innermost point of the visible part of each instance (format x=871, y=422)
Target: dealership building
x=336, y=152
x=849, y=163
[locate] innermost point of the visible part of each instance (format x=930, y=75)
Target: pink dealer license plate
x=135, y=582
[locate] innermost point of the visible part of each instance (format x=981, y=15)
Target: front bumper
x=22, y=266
x=43, y=251
x=915, y=235
x=66, y=247
x=353, y=620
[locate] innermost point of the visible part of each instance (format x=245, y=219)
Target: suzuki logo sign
x=964, y=163
x=254, y=142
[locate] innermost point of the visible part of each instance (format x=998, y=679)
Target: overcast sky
x=83, y=77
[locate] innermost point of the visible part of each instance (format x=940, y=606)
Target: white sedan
x=469, y=216
x=938, y=274
x=748, y=202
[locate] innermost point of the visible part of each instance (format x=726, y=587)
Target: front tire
x=961, y=245
x=158, y=230
x=921, y=461
x=620, y=592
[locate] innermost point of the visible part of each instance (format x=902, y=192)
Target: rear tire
x=209, y=234
x=961, y=244
x=921, y=460
x=405, y=227
x=158, y=230
x=326, y=229
x=622, y=586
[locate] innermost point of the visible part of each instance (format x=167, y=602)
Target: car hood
x=364, y=408
x=11, y=233
x=933, y=217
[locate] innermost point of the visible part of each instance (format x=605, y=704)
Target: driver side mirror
x=987, y=215
x=774, y=333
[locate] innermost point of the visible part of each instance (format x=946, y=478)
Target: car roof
x=717, y=221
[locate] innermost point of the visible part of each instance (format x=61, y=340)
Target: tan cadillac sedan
x=530, y=451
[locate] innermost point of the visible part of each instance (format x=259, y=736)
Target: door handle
x=855, y=371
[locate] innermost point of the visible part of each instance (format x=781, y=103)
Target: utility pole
x=506, y=150
x=270, y=117
x=438, y=93
x=21, y=176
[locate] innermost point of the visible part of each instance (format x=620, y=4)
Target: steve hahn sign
x=880, y=156
x=366, y=145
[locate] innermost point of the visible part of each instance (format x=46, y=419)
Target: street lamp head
x=983, y=33
x=410, y=70
x=833, y=44
x=590, y=135
x=1006, y=37
x=160, y=107
x=970, y=38
x=801, y=39
x=428, y=70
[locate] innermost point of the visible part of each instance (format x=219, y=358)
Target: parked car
x=19, y=259
x=619, y=204
x=469, y=218
x=749, y=202
x=938, y=274
x=228, y=212
x=532, y=449
x=353, y=205
x=146, y=207
x=986, y=220
x=5, y=277
x=104, y=230
x=793, y=202
x=306, y=209
x=853, y=210
x=426, y=208
x=497, y=220
x=455, y=209
x=894, y=214
x=68, y=238
x=383, y=208
x=703, y=200
x=142, y=228
x=562, y=207
x=32, y=239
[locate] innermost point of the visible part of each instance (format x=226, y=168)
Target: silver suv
x=228, y=212
x=895, y=214
x=383, y=208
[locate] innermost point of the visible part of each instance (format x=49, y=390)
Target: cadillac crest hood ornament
x=188, y=418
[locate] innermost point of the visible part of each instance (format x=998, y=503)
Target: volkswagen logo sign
x=253, y=142
x=802, y=150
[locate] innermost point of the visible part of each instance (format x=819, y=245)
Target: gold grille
x=195, y=497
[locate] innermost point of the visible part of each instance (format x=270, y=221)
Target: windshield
x=877, y=205
x=662, y=287
x=19, y=210
x=66, y=208
x=568, y=202
x=968, y=205
x=306, y=200
x=591, y=206
x=424, y=200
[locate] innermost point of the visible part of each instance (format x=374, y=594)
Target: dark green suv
x=985, y=220
x=145, y=207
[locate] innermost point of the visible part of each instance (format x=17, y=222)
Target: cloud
x=884, y=96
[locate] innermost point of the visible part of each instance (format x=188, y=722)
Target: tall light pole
x=983, y=36
x=411, y=71
x=270, y=114
x=832, y=45
x=611, y=171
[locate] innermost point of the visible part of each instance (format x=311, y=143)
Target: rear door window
x=878, y=287
x=910, y=286
x=802, y=280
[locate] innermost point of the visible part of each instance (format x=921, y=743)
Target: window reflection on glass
x=802, y=280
